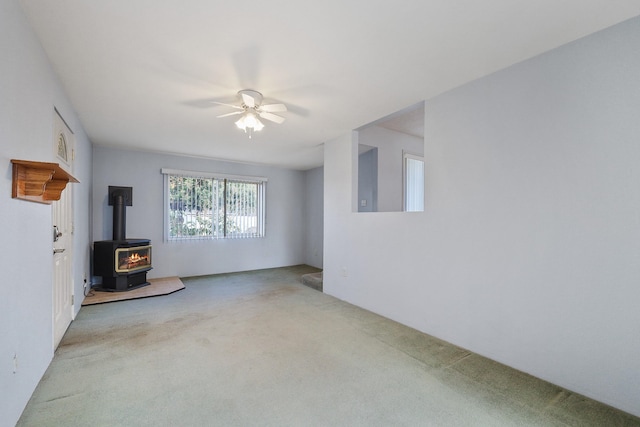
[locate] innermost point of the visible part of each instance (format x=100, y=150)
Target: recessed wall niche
x=390, y=164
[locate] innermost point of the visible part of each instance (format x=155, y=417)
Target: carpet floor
x=259, y=348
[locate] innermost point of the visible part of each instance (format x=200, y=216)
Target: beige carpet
x=260, y=349
x=161, y=286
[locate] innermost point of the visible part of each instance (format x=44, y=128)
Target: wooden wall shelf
x=39, y=181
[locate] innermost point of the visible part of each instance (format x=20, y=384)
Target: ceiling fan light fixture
x=241, y=125
x=249, y=121
x=251, y=109
x=258, y=126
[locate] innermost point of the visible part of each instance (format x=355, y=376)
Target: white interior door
x=62, y=236
x=62, y=266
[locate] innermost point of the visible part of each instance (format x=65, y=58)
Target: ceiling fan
x=252, y=108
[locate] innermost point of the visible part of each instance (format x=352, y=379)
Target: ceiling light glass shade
x=249, y=121
x=258, y=125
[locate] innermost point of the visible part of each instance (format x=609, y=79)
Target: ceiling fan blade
x=272, y=117
x=273, y=108
x=227, y=105
x=248, y=100
x=235, y=113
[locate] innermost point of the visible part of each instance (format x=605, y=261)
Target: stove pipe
x=119, y=218
x=119, y=198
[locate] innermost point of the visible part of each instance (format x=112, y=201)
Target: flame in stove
x=135, y=260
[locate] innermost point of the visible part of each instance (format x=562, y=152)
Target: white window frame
x=261, y=202
x=405, y=184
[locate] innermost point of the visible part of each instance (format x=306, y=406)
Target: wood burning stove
x=118, y=274
x=123, y=263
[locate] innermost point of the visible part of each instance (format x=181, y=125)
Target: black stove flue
x=123, y=263
x=120, y=198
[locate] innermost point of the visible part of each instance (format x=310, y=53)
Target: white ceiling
x=141, y=73
x=409, y=121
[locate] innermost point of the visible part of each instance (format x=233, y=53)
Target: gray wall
x=528, y=251
x=30, y=91
x=368, y=181
x=314, y=214
x=284, y=241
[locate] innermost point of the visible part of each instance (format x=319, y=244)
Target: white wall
x=391, y=147
x=284, y=241
x=528, y=251
x=314, y=211
x=30, y=91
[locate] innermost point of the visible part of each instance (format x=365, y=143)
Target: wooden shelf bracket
x=39, y=181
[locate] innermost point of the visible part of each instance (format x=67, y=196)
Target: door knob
x=56, y=233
